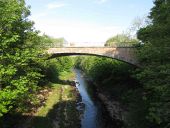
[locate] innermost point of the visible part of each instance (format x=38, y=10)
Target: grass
x=67, y=76
x=60, y=107
x=43, y=118
x=52, y=99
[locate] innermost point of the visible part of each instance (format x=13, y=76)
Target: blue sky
x=86, y=20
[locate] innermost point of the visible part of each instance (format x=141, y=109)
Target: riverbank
x=63, y=107
x=117, y=88
x=110, y=111
x=114, y=114
x=60, y=107
x=113, y=108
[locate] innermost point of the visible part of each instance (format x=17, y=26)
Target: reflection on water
x=92, y=117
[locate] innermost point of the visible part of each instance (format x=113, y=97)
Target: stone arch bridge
x=125, y=54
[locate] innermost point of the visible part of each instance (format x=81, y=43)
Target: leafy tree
x=23, y=64
x=20, y=68
x=48, y=42
x=129, y=37
x=137, y=23
x=121, y=40
x=56, y=66
x=155, y=60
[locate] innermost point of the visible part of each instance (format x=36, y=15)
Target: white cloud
x=55, y=5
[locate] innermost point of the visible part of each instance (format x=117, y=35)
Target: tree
x=155, y=60
x=48, y=42
x=137, y=23
x=121, y=40
x=20, y=68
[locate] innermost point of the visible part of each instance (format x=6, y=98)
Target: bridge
x=125, y=54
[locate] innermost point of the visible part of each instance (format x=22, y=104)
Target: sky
x=86, y=21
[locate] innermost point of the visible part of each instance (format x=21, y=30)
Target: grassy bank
x=60, y=107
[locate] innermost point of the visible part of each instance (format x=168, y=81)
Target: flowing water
x=92, y=117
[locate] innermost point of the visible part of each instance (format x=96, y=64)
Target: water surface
x=92, y=117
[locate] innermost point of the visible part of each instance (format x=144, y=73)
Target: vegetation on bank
x=115, y=80
x=60, y=107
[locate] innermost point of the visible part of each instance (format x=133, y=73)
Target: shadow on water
x=58, y=115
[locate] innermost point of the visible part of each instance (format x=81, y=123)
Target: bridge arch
x=125, y=54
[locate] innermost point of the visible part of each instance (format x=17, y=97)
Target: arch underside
x=54, y=55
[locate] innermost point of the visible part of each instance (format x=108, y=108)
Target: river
x=92, y=117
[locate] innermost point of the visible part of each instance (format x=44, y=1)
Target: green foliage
x=20, y=67
x=22, y=59
x=48, y=42
x=155, y=61
x=115, y=79
x=107, y=73
x=122, y=40
x=55, y=67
